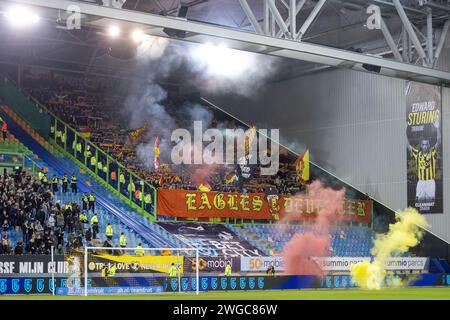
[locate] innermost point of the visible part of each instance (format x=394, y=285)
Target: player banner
x=424, y=147
x=198, y=204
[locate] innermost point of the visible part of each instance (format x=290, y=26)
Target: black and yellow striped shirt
x=425, y=163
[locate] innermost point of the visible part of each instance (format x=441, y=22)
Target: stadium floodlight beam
x=114, y=31
x=22, y=17
x=138, y=36
x=223, y=61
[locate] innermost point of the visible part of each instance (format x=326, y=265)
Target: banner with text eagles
x=197, y=204
x=424, y=147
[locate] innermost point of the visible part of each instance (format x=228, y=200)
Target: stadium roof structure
x=322, y=33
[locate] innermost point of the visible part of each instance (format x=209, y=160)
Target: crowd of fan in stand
x=69, y=99
x=28, y=206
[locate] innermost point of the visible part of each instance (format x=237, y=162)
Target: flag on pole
x=161, y=181
x=156, y=162
x=135, y=134
x=302, y=167
x=250, y=135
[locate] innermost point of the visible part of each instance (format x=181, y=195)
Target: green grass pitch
x=319, y=294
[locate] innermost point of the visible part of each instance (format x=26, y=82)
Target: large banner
x=133, y=264
x=260, y=264
x=424, y=147
x=212, y=264
x=197, y=204
x=212, y=240
x=32, y=264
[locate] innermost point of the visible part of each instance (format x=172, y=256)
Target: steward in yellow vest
x=123, y=240
x=109, y=232
x=138, y=251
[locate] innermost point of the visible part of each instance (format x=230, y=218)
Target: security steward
x=109, y=232
x=73, y=184
x=122, y=240
x=139, y=251
x=94, y=225
x=92, y=201
x=85, y=202
x=55, y=184
x=228, y=269
x=65, y=183
x=173, y=271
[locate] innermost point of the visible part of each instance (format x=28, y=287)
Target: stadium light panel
x=22, y=17
x=114, y=31
x=223, y=61
x=138, y=36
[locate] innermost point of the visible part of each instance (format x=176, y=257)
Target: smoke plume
x=402, y=235
x=300, y=250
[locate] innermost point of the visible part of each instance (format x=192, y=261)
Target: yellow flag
x=204, y=187
x=302, y=167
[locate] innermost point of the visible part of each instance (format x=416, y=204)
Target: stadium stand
x=85, y=107
x=346, y=241
x=109, y=209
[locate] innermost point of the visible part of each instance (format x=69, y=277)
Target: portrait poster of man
x=424, y=147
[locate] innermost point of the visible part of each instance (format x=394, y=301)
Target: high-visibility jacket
x=99, y=165
x=148, y=199
x=85, y=199
x=63, y=137
x=123, y=241
x=122, y=178
x=79, y=147
x=131, y=187
x=73, y=179
x=55, y=180
x=52, y=129
x=83, y=218
x=91, y=198
x=93, y=161
x=109, y=231
x=173, y=271
x=112, y=271
x=105, y=169
x=68, y=206
x=94, y=219
x=44, y=178
x=41, y=175
x=65, y=179
x=228, y=270
x=139, y=251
